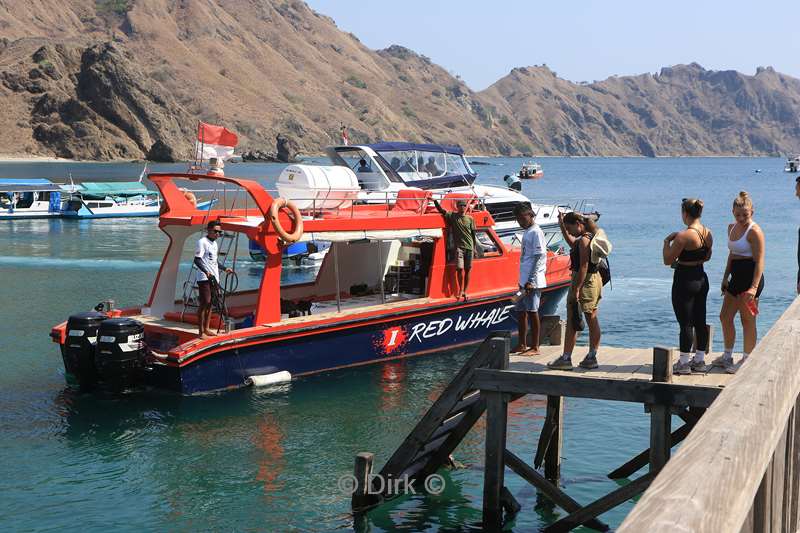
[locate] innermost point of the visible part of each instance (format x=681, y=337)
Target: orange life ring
x=297, y=230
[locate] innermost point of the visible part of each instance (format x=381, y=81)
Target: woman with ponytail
x=686, y=251
x=585, y=290
x=743, y=280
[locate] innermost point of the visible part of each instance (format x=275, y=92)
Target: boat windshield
x=372, y=173
x=414, y=165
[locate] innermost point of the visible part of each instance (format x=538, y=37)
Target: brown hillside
x=106, y=79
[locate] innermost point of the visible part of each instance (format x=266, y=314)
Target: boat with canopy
x=384, y=291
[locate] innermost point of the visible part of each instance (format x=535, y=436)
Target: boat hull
x=335, y=346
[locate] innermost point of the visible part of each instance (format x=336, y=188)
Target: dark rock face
x=162, y=152
x=94, y=103
x=287, y=149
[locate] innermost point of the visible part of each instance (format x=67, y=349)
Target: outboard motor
x=513, y=182
x=120, y=353
x=79, y=349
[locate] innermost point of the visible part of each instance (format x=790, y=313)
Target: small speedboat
x=792, y=164
x=530, y=170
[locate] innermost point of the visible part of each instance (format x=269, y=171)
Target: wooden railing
x=738, y=470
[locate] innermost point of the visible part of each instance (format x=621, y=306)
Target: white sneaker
x=682, y=368
x=725, y=363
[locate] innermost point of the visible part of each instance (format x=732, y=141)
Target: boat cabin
x=29, y=198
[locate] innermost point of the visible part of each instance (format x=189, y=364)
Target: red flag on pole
x=215, y=141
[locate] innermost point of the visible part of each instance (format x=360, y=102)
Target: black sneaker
x=589, y=362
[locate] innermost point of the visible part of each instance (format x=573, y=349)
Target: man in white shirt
x=205, y=259
x=532, y=279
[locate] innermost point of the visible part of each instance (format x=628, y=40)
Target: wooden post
x=362, y=499
x=660, y=415
x=551, y=330
x=494, y=468
x=552, y=458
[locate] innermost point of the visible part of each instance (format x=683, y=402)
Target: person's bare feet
x=519, y=348
x=203, y=336
x=210, y=333
x=532, y=352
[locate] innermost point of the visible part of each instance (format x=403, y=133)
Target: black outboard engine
x=120, y=355
x=79, y=349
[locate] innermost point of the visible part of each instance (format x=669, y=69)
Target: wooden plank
x=795, y=504
x=600, y=506
x=762, y=503
x=552, y=459
x=576, y=386
x=778, y=477
x=710, y=492
x=789, y=473
x=555, y=494
x=494, y=464
x=447, y=425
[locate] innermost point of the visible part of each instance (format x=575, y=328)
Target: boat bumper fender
x=265, y=380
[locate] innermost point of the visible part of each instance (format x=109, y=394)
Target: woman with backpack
x=588, y=245
x=686, y=251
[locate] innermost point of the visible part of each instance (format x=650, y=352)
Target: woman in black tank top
x=686, y=251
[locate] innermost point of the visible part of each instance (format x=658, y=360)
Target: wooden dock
x=491, y=379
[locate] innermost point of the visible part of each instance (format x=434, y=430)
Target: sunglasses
x=218, y=231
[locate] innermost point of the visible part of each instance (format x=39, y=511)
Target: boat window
x=370, y=172
x=488, y=246
x=455, y=164
x=412, y=165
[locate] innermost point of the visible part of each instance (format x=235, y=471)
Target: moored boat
x=384, y=291
x=114, y=199
x=792, y=164
x=30, y=198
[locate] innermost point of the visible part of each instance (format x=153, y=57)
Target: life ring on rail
x=274, y=209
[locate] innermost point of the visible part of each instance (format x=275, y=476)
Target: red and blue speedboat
x=383, y=291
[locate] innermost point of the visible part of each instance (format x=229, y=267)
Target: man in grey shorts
x=532, y=278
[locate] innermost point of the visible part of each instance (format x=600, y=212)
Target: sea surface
x=254, y=460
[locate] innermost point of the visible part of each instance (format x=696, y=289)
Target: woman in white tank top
x=742, y=282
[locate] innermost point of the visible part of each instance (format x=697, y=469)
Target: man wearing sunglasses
x=205, y=259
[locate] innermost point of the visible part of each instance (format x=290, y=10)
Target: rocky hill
x=110, y=79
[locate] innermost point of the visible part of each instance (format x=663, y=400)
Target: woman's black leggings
x=689, y=293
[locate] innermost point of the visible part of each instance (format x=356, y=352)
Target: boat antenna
x=144, y=170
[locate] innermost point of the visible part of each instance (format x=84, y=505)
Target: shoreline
x=12, y=158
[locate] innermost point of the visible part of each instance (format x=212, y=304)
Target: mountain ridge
x=112, y=79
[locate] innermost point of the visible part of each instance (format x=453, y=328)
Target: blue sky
x=582, y=40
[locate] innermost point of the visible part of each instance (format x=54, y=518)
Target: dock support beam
x=494, y=468
x=660, y=414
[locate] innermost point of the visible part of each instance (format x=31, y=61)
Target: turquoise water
x=269, y=461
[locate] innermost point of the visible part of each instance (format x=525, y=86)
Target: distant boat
x=792, y=164
x=757, y=171
x=530, y=170
x=30, y=198
x=115, y=199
